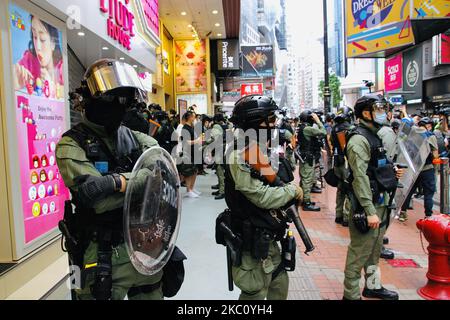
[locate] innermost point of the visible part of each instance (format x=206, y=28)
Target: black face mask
x=106, y=114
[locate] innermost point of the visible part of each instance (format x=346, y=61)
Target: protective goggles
x=380, y=107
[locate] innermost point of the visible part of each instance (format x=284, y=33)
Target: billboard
x=377, y=26
x=40, y=119
x=431, y=9
x=394, y=73
x=258, y=61
x=228, y=55
x=191, y=66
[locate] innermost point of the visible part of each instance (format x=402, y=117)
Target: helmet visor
x=111, y=75
x=380, y=107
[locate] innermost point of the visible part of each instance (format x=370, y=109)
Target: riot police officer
x=372, y=178
x=309, y=142
x=219, y=135
x=254, y=205
x=343, y=121
x=95, y=160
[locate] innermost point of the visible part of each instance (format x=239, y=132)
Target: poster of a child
x=40, y=68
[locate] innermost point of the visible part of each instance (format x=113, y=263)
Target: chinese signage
x=249, y=89
x=441, y=44
x=394, y=73
x=191, y=66
x=228, y=54
x=40, y=119
x=412, y=73
x=258, y=61
x=375, y=26
x=121, y=21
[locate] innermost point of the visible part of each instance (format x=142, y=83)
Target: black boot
x=339, y=220
x=216, y=193
x=383, y=294
x=309, y=207
x=345, y=224
x=216, y=187
x=387, y=254
x=220, y=197
x=385, y=240
x=316, y=190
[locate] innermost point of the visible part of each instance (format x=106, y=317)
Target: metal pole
x=326, y=90
x=445, y=192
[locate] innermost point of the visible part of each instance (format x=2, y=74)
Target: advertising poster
x=431, y=9
x=394, y=73
x=191, y=66
x=445, y=48
x=258, y=61
x=375, y=26
x=40, y=119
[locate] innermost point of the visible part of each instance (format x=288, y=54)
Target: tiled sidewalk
x=321, y=275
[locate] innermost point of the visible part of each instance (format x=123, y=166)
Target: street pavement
x=318, y=276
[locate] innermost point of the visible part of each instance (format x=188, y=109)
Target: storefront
x=45, y=48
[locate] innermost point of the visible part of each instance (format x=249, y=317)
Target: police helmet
x=370, y=102
x=249, y=112
x=219, y=118
x=111, y=78
x=307, y=117
x=425, y=121
x=344, y=114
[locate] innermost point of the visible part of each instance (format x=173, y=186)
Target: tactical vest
x=127, y=153
x=243, y=210
x=338, y=128
x=310, y=149
x=380, y=170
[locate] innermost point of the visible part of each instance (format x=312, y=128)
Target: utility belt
x=307, y=157
x=241, y=236
x=81, y=228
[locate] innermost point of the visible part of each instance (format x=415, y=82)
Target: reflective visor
x=380, y=107
x=109, y=74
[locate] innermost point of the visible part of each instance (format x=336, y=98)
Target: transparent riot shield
x=413, y=150
x=152, y=211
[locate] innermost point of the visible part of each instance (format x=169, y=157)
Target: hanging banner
x=413, y=73
x=376, y=26
x=40, y=119
x=191, y=66
x=394, y=73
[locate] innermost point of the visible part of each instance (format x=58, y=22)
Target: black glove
x=92, y=189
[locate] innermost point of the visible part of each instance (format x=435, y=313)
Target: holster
x=226, y=237
x=359, y=216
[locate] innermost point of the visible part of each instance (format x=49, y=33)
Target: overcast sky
x=305, y=20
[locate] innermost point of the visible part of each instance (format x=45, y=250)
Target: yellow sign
x=377, y=25
x=431, y=9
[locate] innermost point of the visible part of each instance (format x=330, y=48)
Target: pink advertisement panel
x=394, y=73
x=40, y=119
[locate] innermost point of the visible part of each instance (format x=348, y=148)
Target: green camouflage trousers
x=307, y=174
x=254, y=277
x=124, y=277
x=364, y=253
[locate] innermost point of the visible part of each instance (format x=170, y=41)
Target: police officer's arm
x=316, y=132
x=434, y=146
x=263, y=196
x=358, y=154
x=216, y=135
x=389, y=138
x=73, y=163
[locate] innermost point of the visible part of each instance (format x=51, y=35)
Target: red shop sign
x=254, y=88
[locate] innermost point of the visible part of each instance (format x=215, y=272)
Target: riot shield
x=413, y=150
x=152, y=211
